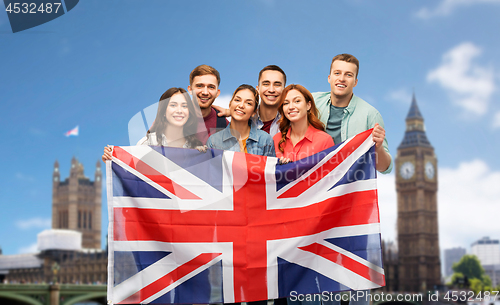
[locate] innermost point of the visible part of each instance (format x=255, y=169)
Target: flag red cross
x=248, y=226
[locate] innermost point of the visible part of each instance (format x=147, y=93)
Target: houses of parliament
x=411, y=263
x=71, y=251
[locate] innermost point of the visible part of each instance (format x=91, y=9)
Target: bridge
x=58, y=294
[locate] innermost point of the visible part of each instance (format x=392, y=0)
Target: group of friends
x=290, y=122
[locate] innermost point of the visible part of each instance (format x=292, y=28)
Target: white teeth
x=341, y=86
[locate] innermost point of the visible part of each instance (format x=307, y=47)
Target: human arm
x=383, y=159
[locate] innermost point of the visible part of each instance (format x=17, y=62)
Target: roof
x=414, y=137
x=20, y=261
x=414, y=112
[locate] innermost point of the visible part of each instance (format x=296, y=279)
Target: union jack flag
x=221, y=226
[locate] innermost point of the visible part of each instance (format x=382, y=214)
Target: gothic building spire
x=414, y=112
x=415, y=128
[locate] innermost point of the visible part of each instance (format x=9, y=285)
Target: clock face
x=429, y=170
x=407, y=170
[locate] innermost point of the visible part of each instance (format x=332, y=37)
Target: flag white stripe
x=286, y=248
x=211, y=204
x=177, y=174
x=359, y=151
x=184, y=252
x=181, y=280
x=319, y=191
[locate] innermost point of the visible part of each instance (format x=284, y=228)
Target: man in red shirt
x=271, y=82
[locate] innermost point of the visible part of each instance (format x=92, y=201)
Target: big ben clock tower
x=416, y=186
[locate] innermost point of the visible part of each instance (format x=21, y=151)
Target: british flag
x=221, y=226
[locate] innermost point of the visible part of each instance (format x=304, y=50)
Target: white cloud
x=387, y=202
x=468, y=203
x=401, y=96
x=446, y=7
x=469, y=85
x=28, y=249
x=36, y=222
x=496, y=120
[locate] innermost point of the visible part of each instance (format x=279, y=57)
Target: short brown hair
x=272, y=68
x=347, y=58
x=204, y=70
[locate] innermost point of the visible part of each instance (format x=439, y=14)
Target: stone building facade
x=76, y=203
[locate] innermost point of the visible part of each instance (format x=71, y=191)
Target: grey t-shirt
x=334, y=123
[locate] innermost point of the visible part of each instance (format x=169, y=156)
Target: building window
x=63, y=219
x=79, y=219
x=85, y=219
x=90, y=220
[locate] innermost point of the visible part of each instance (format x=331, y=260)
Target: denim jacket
x=258, y=143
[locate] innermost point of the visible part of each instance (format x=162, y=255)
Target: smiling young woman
x=240, y=134
x=176, y=123
x=301, y=132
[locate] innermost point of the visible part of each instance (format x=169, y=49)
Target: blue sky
x=104, y=61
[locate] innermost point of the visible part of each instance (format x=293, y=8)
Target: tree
x=469, y=266
x=469, y=269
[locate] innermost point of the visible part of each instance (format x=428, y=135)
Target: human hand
x=284, y=160
x=108, y=150
x=378, y=135
x=202, y=149
x=223, y=112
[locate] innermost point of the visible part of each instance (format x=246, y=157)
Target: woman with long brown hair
x=176, y=124
x=176, y=121
x=301, y=132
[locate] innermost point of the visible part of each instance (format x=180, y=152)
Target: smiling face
x=271, y=84
x=242, y=106
x=295, y=106
x=177, y=113
x=342, y=78
x=206, y=90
